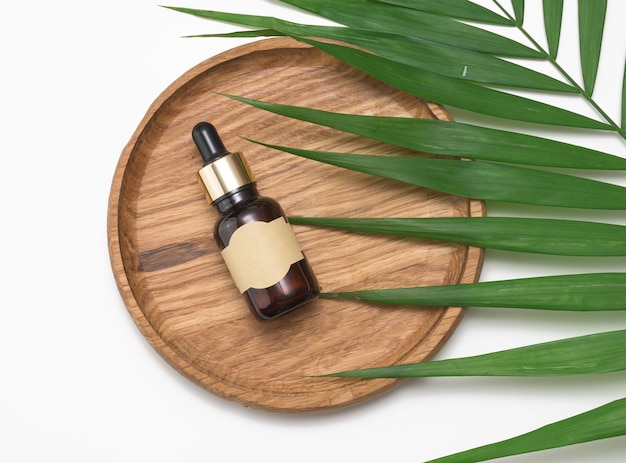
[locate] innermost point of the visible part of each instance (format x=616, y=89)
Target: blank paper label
x=259, y=254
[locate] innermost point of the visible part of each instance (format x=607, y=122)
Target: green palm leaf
x=584, y=292
x=439, y=55
x=459, y=9
x=546, y=236
x=624, y=99
x=456, y=92
x=479, y=180
x=583, y=355
x=552, y=18
x=372, y=15
x=601, y=423
x=591, y=16
x=518, y=8
x=442, y=59
x=453, y=139
x=243, y=34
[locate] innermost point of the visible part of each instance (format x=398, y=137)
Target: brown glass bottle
x=264, y=259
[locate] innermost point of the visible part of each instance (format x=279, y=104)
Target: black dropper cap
x=223, y=171
x=208, y=142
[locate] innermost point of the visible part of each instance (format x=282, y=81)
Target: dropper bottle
x=258, y=245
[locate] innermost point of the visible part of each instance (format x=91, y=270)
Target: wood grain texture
x=172, y=278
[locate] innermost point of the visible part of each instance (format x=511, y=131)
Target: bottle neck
x=236, y=198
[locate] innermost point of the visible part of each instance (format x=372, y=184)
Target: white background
x=80, y=384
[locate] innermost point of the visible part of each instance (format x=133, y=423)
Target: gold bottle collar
x=225, y=175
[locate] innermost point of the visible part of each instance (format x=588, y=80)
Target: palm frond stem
x=621, y=131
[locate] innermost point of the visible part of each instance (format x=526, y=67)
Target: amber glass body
x=297, y=287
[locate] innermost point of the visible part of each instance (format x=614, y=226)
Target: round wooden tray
x=170, y=273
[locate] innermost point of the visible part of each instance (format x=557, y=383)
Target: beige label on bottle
x=259, y=254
